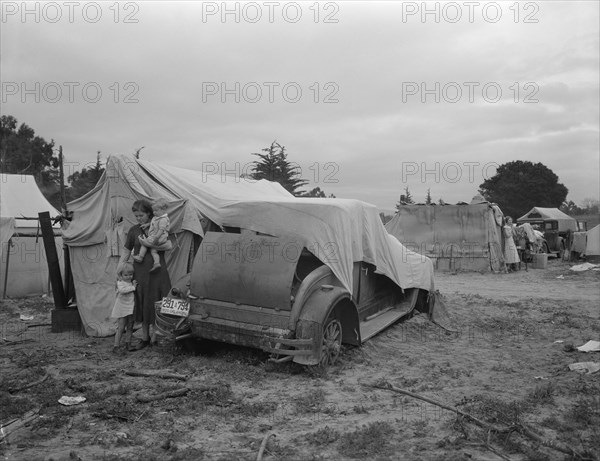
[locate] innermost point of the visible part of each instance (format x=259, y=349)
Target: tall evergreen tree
x=274, y=166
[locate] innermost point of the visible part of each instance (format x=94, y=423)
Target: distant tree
x=519, y=186
x=590, y=206
x=274, y=166
x=441, y=201
x=571, y=208
x=22, y=152
x=81, y=182
x=428, y=200
x=316, y=192
x=405, y=199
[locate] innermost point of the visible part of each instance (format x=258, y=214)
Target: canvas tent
x=592, y=248
x=101, y=218
x=23, y=266
x=455, y=237
x=538, y=214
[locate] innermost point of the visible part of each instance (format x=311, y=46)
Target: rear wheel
x=332, y=342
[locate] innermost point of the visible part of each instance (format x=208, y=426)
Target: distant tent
x=23, y=266
x=537, y=214
x=593, y=242
x=455, y=237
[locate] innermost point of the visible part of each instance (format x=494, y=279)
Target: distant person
x=151, y=286
x=511, y=255
x=158, y=234
x=123, y=308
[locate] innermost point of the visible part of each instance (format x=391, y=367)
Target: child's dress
x=125, y=299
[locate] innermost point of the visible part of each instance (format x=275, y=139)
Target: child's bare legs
x=156, y=260
x=129, y=331
x=140, y=256
x=119, y=334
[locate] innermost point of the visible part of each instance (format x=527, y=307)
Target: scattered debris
x=26, y=317
x=581, y=367
x=584, y=267
x=560, y=277
x=68, y=401
x=590, y=346
x=15, y=424
x=559, y=341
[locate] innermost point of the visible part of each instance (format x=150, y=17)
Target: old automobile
x=303, y=278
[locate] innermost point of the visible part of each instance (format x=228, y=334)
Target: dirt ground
x=504, y=365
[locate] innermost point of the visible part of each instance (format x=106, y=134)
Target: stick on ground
x=519, y=427
x=163, y=395
x=156, y=374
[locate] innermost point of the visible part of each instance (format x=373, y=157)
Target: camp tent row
x=23, y=266
x=101, y=218
x=454, y=237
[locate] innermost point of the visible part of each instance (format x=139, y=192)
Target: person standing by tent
x=123, y=308
x=151, y=286
x=511, y=255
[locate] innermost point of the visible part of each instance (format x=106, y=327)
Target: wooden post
x=52, y=259
x=6, y=268
x=63, y=201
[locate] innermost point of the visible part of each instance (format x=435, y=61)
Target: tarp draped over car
x=337, y=231
x=455, y=237
x=24, y=259
x=537, y=214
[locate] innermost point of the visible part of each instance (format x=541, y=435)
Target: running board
x=369, y=328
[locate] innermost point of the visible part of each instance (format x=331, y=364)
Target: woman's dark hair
x=144, y=206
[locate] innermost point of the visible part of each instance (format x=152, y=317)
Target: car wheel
x=332, y=342
x=546, y=249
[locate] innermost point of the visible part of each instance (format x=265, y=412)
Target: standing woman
x=151, y=286
x=511, y=255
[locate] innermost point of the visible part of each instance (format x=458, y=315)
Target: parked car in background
x=556, y=226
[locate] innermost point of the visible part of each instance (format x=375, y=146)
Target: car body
x=299, y=300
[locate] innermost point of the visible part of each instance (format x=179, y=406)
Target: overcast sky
x=367, y=97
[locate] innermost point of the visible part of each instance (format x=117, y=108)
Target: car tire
x=331, y=344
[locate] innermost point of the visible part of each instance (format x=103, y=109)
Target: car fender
x=314, y=312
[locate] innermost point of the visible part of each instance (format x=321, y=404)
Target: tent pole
x=6, y=268
x=52, y=259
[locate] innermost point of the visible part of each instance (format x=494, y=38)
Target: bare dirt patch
x=502, y=366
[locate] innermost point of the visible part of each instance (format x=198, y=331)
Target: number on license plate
x=174, y=306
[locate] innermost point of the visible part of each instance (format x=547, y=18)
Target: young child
x=158, y=233
x=123, y=308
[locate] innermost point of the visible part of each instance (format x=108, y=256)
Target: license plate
x=174, y=306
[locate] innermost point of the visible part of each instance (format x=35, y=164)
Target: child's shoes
x=138, y=258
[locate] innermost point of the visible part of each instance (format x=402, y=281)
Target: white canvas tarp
x=338, y=231
x=593, y=242
x=22, y=253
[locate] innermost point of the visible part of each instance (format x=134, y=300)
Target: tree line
x=22, y=152
x=516, y=187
